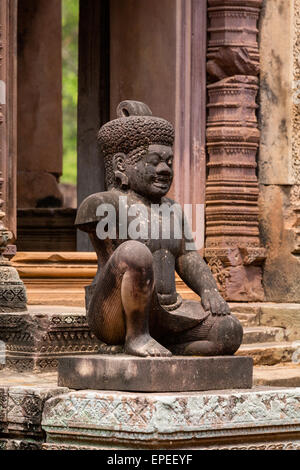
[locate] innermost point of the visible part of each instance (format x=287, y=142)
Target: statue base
x=155, y=374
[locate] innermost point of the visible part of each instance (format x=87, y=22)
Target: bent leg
x=119, y=309
x=216, y=336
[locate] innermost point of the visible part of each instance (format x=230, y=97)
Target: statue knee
x=227, y=334
x=135, y=256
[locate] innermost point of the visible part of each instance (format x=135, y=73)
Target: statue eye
x=154, y=161
x=170, y=161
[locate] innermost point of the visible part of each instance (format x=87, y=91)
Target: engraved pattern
x=173, y=417
x=37, y=341
x=255, y=446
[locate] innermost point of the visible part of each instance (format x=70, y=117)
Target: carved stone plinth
x=260, y=418
x=155, y=374
x=35, y=340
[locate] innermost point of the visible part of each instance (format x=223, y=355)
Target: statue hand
x=213, y=301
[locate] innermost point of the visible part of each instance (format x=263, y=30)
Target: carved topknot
x=133, y=108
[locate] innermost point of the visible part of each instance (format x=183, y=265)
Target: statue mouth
x=162, y=182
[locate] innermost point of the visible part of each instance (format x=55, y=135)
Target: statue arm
x=196, y=274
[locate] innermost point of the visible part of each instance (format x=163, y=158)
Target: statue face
x=153, y=174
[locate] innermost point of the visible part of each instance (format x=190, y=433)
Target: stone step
x=263, y=334
x=279, y=375
x=247, y=319
x=271, y=353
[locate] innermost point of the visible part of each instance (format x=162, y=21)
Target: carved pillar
x=12, y=290
x=233, y=249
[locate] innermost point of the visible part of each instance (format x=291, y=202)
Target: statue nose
x=163, y=169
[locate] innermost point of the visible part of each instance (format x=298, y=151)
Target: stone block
x=21, y=413
x=155, y=374
x=261, y=418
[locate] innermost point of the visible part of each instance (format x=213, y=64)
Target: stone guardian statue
x=132, y=301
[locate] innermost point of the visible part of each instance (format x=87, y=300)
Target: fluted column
x=233, y=248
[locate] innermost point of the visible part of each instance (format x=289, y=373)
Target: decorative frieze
x=36, y=340
x=258, y=418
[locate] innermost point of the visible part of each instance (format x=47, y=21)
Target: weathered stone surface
x=279, y=96
x=10, y=378
x=276, y=94
x=270, y=353
x=279, y=227
x=285, y=315
x=260, y=418
x=176, y=374
x=281, y=315
x=21, y=444
x=22, y=399
x=280, y=375
x=263, y=334
x=21, y=409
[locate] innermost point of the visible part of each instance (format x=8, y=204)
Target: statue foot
x=145, y=346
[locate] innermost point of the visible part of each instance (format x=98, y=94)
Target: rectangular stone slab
x=155, y=374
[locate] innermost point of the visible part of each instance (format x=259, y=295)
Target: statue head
x=137, y=151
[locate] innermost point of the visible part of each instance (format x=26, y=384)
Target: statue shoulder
x=86, y=212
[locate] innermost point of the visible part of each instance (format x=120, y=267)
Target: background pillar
x=93, y=100
x=39, y=103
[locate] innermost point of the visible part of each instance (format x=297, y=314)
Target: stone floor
x=9, y=378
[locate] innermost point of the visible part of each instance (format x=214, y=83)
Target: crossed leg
x=119, y=309
x=216, y=335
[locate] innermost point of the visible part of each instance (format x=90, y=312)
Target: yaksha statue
x=133, y=300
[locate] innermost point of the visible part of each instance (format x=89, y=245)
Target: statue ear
x=119, y=169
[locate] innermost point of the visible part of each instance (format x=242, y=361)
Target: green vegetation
x=70, y=16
